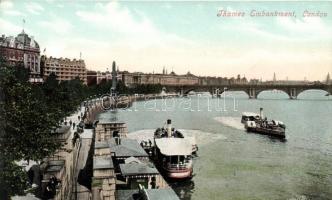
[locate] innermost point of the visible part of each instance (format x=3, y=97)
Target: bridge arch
x=237, y=93
x=274, y=94
x=188, y=90
x=320, y=93
x=252, y=90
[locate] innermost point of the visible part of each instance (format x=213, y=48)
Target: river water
x=233, y=164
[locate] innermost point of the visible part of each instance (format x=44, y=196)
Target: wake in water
x=202, y=137
x=233, y=122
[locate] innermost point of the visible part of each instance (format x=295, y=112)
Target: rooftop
x=103, y=162
x=21, y=41
x=249, y=114
x=105, y=122
x=55, y=165
x=174, y=146
x=126, y=148
x=101, y=145
x=138, y=169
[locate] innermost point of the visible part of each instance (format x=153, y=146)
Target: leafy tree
x=13, y=180
x=26, y=127
x=28, y=124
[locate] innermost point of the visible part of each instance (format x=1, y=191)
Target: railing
x=177, y=166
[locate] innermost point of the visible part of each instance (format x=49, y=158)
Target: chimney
x=169, y=128
x=261, y=113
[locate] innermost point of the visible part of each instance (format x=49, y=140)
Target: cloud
x=115, y=17
x=13, y=13
x=7, y=8
x=9, y=28
x=138, y=31
x=308, y=27
x=34, y=8
x=6, y=5
x=58, y=25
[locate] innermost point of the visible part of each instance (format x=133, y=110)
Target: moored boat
x=174, y=157
x=173, y=152
x=170, y=132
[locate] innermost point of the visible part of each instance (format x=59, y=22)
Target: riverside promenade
x=81, y=191
x=109, y=185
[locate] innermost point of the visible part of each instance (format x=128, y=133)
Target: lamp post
x=225, y=88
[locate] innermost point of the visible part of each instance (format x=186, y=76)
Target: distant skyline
x=183, y=36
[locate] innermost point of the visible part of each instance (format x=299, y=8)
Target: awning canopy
x=174, y=146
x=250, y=114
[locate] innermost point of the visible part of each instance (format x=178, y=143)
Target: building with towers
x=22, y=50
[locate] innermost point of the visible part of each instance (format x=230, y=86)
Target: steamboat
x=257, y=124
x=173, y=153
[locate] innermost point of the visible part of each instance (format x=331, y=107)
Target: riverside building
x=22, y=50
x=64, y=68
x=135, y=78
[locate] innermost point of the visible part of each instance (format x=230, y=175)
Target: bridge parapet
x=252, y=90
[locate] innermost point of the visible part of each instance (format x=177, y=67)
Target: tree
x=28, y=124
x=27, y=128
x=13, y=180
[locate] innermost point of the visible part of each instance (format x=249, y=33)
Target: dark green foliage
x=13, y=180
x=29, y=115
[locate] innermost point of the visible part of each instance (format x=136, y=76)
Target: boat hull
x=265, y=131
x=178, y=174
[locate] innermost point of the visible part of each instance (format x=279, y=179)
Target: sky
x=181, y=36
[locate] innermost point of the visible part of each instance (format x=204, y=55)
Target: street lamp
x=225, y=88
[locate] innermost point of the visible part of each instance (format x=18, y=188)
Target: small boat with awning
x=173, y=152
x=170, y=132
x=174, y=157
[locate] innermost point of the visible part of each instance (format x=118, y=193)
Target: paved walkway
x=82, y=192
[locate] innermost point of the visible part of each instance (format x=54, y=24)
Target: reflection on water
x=233, y=164
x=183, y=189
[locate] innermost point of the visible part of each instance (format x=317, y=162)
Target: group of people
x=146, y=143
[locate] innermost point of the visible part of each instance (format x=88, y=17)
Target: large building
x=64, y=68
x=135, y=78
x=22, y=50
x=97, y=77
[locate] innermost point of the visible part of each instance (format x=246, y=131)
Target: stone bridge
x=253, y=90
